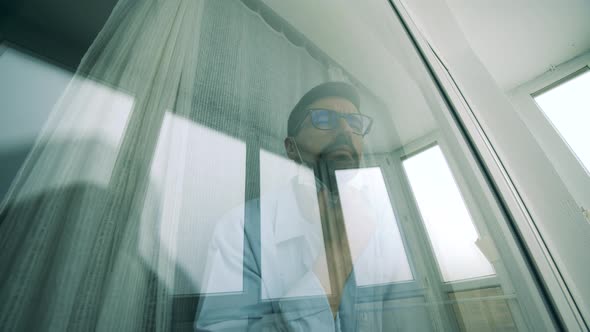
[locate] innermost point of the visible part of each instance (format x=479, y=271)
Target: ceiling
x=518, y=40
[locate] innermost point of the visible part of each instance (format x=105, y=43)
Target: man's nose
x=345, y=127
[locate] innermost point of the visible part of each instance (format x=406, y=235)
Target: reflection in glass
x=188, y=196
x=482, y=310
x=447, y=220
x=290, y=226
x=29, y=88
x=224, y=205
x=81, y=141
x=365, y=201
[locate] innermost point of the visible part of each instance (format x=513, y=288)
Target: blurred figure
x=296, y=268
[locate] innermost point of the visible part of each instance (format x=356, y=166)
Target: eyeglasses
x=329, y=120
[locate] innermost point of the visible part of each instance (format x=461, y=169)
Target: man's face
x=338, y=144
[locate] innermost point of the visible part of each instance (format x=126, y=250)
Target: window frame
x=566, y=163
x=548, y=131
x=466, y=196
x=489, y=125
x=499, y=279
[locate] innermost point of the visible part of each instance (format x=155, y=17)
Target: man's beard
x=341, y=141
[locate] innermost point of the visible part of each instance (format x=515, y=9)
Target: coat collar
x=290, y=221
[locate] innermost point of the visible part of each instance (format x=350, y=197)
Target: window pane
x=483, y=310
x=567, y=107
x=190, y=198
x=286, y=216
x=223, y=205
x=365, y=204
x=447, y=220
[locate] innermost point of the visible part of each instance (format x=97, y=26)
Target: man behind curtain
x=297, y=264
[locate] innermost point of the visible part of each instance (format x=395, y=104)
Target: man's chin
x=342, y=155
x=340, y=160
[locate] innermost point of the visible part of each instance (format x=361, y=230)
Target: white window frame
x=481, y=220
x=572, y=172
x=550, y=226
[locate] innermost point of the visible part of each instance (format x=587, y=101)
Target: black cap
x=328, y=89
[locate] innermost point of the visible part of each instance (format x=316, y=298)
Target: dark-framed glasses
x=328, y=120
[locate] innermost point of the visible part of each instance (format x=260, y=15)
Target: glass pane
x=566, y=106
x=447, y=220
x=187, y=214
x=483, y=310
x=209, y=198
x=404, y=314
x=287, y=216
x=28, y=90
x=366, y=205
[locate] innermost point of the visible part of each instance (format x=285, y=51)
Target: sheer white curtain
x=154, y=140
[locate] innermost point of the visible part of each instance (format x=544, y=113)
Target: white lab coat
x=274, y=288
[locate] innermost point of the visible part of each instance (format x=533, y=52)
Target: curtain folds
x=69, y=225
x=110, y=216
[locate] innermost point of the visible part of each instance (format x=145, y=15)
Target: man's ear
x=290, y=148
